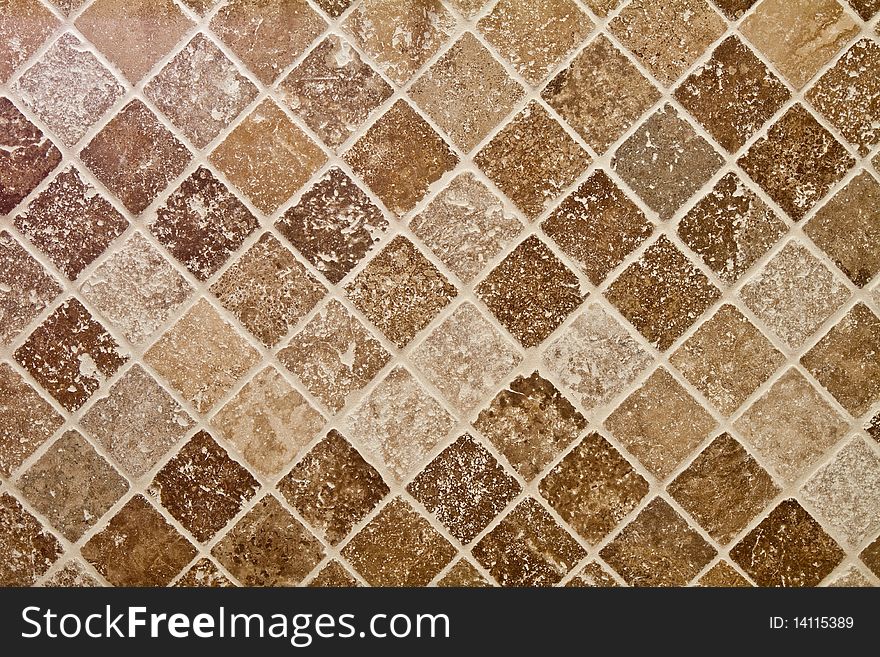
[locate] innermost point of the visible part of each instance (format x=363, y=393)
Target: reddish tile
x=25, y=288
x=28, y=549
x=24, y=26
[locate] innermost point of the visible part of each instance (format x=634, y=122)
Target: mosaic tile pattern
x=453, y=293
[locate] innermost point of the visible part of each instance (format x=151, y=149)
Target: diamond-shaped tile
x=665, y=161
x=68, y=89
x=593, y=488
x=400, y=291
x=733, y=94
x=528, y=548
x=791, y=426
x=466, y=7
x=532, y=160
x=463, y=575
x=593, y=575
x=201, y=91
x=465, y=488
x=400, y=157
x=202, y=223
x=865, y=8
x=72, y=485
x=268, y=290
x=70, y=354
x=466, y=92
x=72, y=575
x=873, y=427
x=203, y=574
x=788, y=548
x=202, y=356
x=202, y=487
x=25, y=288
x=201, y=6
x=734, y=8
x=398, y=548
x=723, y=575
x=333, y=575
x=334, y=355
x=797, y=162
x=268, y=157
x=530, y=422
x=28, y=549
x=662, y=293
x=333, y=225
x=333, y=487
x=535, y=36
x=24, y=26
x=871, y=556
x=269, y=422
x=851, y=578
x=334, y=7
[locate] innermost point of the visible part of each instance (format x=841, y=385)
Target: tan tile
x=871, y=556
x=24, y=26
x=334, y=575
x=25, y=288
x=203, y=574
x=463, y=575
x=72, y=575
x=593, y=575
x=851, y=578
x=723, y=575
x=734, y=8
x=28, y=549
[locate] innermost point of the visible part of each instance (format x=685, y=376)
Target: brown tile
x=334, y=7
x=463, y=575
x=400, y=157
x=727, y=359
x=733, y=94
x=138, y=547
x=334, y=356
x=665, y=161
x=465, y=357
x=201, y=356
x=730, y=228
x=333, y=225
x=658, y=548
x=865, y=8
x=24, y=26
x=333, y=487
x=873, y=427
x=593, y=488
x=70, y=354
x=467, y=92
x=847, y=229
x=267, y=35
x=797, y=162
x=788, y=548
x=532, y=160
x=137, y=421
x=723, y=575
x=667, y=37
x=400, y=37
x=200, y=6
x=268, y=290
x=593, y=575
x=269, y=422
x=68, y=89
x=25, y=288
x=203, y=574
x=528, y=548
x=466, y=226
x=268, y=157
x=734, y=8
x=72, y=575
x=201, y=91
x=662, y=293
x=202, y=223
x=334, y=91
x=468, y=7
x=600, y=94
x=535, y=36
x=530, y=422
x=28, y=549
x=400, y=291
x=334, y=575
x=791, y=426
x=871, y=556
x=531, y=292
x=465, y=488
x=26, y=156
x=851, y=578
x=660, y=423
x=398, y=423
x=847, y=360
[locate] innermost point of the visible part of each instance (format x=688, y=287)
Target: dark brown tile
x=334, y=575
x=734, y=8
x=72, y=575
x=463, y=575
x=873, y=427
x=723, y=575
x=593, y=575
x=865, y=8
x=25, y=288
x=203, y=574
x=871, y=556
x=24, y=26
x=28, y=549
x=334, y=7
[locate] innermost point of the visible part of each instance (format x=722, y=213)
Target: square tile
x=463, y=575
x=865, y=8
x=28, y=549
x=203, y=574
x=24, y=26
x=25, y=288
x=723, y=575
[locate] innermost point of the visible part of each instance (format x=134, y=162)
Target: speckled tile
x=723, y=575
x=24, y=26
x=72, y=575
x=26, y=288
x=334, y=575
x=851, y=578
x=865, y=8
x=871, y=556
x=203, y=574
x=28, y=548
x=593, y=576
x=463, y=575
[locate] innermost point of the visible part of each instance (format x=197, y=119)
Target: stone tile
x=333, y=487
x=68, y=89
x=532, y=160
x=24, y=26
x=665, y=161
x=268, y=290
x=203, y=574
x=593, y=575
x=593, y=488
x=333, y=575
x=788, y=548
x=138, y=547
x=467, y=92
x=334, y=91
x=268, y=422
x=334, y=356
x=398, y=423
x=873, y=427
x=202, y=223
x=530, y=422
x=28, y=549
x=797, y=162
x=528, y=548
x=734, y=8
x=70, y=354
x=400, y=157
x=200, y=6
x=791, y=426
x=865, y=8
x=465, y=488
x=72, y=575
x=601, y=94
x=851, y=578
x=25, y=288
x=463, y=575
x=871, y=556
x=201, y=91
x=723, y=575
x=794, y=294
x=334, y=7
x=137, y=421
